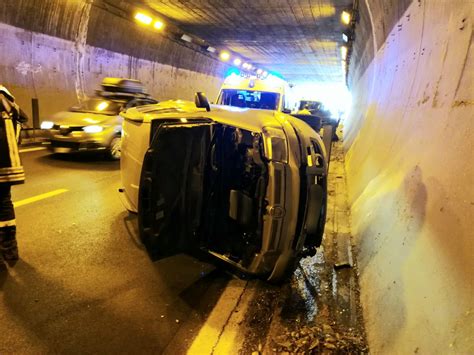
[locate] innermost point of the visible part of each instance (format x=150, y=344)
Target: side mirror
x=286, y=110
x=201, y=101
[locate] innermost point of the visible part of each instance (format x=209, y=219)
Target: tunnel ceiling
x=299, y=39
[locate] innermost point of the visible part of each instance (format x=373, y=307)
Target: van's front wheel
x=115, y=148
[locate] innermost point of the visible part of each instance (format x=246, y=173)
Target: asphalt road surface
x=85, y=284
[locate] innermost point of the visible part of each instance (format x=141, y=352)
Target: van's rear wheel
x=115, y=148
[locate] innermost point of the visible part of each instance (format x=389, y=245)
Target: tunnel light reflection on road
x=142, y=18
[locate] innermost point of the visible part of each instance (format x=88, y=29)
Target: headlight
x=93, y=129
x=274, y=141
x=47, y=125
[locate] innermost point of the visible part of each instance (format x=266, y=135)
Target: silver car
x=246, y=186
x=95, y=124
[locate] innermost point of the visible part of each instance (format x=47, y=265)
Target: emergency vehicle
x=259, y=92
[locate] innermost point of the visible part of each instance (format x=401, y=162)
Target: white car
x=247, y=186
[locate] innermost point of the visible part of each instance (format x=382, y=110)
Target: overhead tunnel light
x=142, y=18
x=344, y=52
x=344, y=66
x=237, y=61
x=210, y=49
x=224, y=56
x=186, y=38
x=346, y=17
x=247, y=66
x=345, y=38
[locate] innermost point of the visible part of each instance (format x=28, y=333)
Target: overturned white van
x=246, y=186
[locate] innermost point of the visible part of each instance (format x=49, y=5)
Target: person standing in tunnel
x=11, y=173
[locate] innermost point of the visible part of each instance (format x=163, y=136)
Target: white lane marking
x=210, y=333
x=39, y=197
x=26, y=150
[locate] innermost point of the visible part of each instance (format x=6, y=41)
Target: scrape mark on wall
x=462, y=103
x=80, y=46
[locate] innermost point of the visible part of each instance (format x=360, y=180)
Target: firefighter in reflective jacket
x=11, y=173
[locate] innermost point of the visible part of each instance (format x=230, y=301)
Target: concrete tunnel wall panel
x=65, y=51
x=409, y=144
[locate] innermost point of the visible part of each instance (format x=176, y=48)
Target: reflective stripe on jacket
x=11, y=170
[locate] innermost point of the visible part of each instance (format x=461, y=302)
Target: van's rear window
x=251, y=99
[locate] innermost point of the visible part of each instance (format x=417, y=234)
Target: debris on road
x=317, y=340
x=344, y=251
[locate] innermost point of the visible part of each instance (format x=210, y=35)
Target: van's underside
x=203, y=186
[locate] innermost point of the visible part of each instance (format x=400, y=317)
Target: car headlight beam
x=46, y=125
x=93, y=129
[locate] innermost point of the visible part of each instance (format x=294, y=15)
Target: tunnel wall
x=59, y=51
x=409, y=161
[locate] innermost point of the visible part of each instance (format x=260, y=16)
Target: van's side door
x=171, y=185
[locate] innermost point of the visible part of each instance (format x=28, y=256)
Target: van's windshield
x=248, y=98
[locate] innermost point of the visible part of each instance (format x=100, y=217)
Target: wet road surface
x=84, y=283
